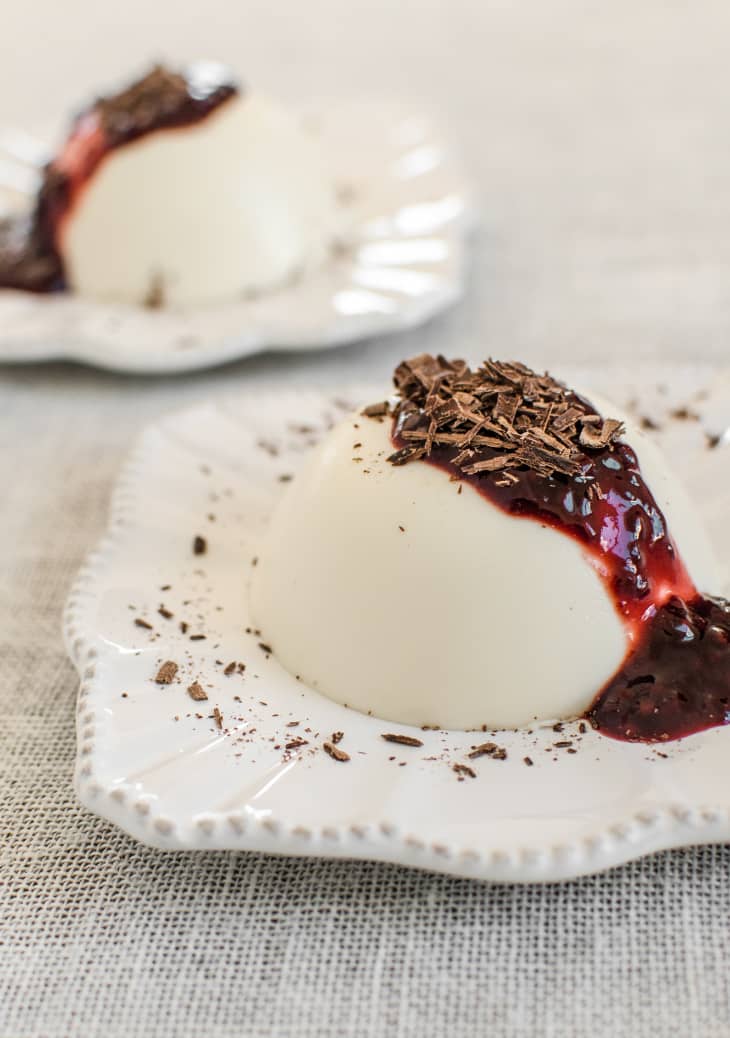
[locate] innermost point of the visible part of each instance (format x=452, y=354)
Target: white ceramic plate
x=406, y=209
x=177, y=780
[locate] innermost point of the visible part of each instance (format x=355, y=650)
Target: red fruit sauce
x=675, y=678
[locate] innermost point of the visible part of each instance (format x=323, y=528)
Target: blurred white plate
x=407, y=207
x=169, y=778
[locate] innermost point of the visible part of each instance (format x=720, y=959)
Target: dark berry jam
x=30, y=250
x=675, y=679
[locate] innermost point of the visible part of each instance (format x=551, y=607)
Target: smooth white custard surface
x=237, y=202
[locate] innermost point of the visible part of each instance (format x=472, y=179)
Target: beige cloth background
x=599, y=136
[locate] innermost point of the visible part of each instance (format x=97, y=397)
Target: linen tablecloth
x=598, y=137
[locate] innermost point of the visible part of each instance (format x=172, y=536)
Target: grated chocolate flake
x=376, y=410
x=488, y=749
x=683, y=414
x=464, y=770
x=165, y=613
x=200, y=545
x=335, y=752
x=167, y=673
x=197, y=692
x=498, y=418
x=217, y=717
x=139, y=622
x=402, y=740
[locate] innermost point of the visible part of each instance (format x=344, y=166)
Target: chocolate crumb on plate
x=217, y=716
x=683, y=414
x=528, y=761
x=464, y=769
x=648, y=423
x=197, y=692
x=335, y=737
x=402, y=740
x=230, y=669
x=488, y=749
x=165, y=613
x=139, y=622
x=376, y=410
x=335, y=752
x=200, y=545
x=167, y=673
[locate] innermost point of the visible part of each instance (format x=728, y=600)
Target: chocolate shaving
x=197, y=692
x=598, y=439
x=683, y=414
x=230, y=669
x=402, y=740
x=167, y=673
x=335, y=752
x=488, y=749
x=499, y=418
x=139, y=622
x=646, y=422
x=155, y=296
x=217, y=717
x=376, y=410
x=200, y=545
x=295, y=744
x=464, y=769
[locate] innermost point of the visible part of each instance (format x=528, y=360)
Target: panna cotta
x=490, y=550
x=180, y=190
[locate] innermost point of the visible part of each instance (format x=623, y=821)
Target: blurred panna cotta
x=494, y=552
x=180, y=190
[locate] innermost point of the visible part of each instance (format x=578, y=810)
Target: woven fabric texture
x=101, y=936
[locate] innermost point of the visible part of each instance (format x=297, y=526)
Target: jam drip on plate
x=30, y=255
x=539, y=451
